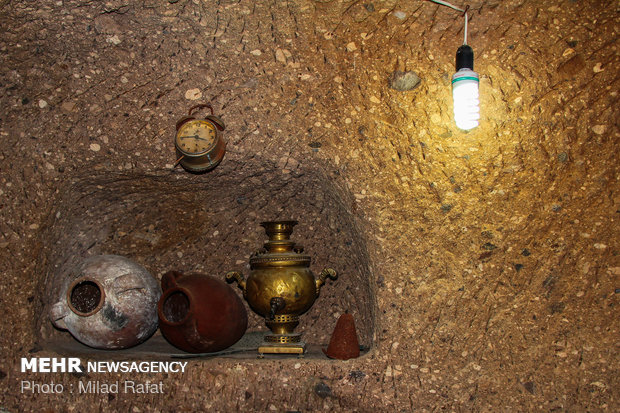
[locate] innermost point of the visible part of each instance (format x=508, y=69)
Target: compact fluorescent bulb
x=465, y=90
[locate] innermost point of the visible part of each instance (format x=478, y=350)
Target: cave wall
x=486, y=263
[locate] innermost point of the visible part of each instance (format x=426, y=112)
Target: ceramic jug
x=107, y=302
x=199, y=313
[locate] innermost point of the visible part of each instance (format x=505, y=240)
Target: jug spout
x=58, y=313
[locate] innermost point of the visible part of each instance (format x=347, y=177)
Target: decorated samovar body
x=281, y=287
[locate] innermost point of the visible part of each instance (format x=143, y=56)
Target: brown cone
x=343, y=344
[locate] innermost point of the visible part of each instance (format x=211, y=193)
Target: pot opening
x=85, y=297
x=176, y=307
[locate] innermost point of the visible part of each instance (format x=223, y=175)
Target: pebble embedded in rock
x=68, y=106
x=404, y=81
x=489, y=247
x=42, y=103
x=95, y=147
x=599, y=129
x=115, y=40
x=598, y=68
x=280, y=56
x=322, y=390
x=292, y=163
x=530, y=387
x=193, y=94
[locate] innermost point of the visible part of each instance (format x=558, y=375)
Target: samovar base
x=282, y=344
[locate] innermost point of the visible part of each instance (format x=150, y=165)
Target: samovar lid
x=279, y=250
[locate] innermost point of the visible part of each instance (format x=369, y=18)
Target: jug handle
x=169, y=279
x=327, y=272
x=233, y=276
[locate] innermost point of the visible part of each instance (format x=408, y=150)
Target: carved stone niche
x=210, y=223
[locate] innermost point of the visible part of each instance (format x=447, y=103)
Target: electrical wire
x=465, y=36
x=445, y=3
x=452, y=6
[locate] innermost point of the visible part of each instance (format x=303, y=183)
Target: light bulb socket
x=465, y=75
x=464, y=58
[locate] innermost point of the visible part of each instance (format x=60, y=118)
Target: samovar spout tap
x=275, y=304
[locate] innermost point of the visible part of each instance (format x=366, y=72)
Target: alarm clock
x=198, y=142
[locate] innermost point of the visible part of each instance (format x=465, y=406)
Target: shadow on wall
x=211, y=223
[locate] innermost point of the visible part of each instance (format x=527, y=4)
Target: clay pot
x=199, y=313
x=107, y=302
x=343, y=344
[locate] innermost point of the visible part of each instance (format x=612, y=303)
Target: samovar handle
x=233, y=276
x=327, y=272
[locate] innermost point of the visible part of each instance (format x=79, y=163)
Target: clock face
x=196, y=137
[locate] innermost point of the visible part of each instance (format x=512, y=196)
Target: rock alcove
x=209, y=223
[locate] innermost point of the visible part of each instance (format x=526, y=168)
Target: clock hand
x=193, y=137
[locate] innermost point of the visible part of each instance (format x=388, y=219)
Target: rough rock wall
x=492, y=255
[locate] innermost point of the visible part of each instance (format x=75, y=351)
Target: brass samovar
x=281, y=287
